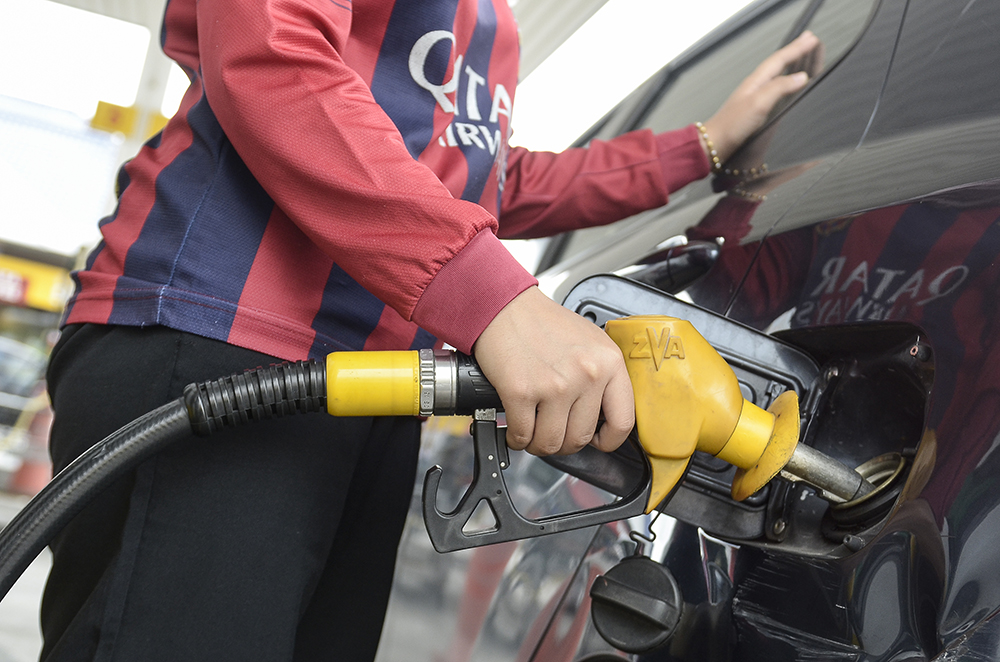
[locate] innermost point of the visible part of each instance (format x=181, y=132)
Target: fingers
x=779, y=61
x=581, y=423
x=520, y=414
x=748, y=107
x=555, y=372
x=776, y=88
x=619, y=414
x=563, y=417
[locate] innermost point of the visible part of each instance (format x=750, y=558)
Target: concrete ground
x=20, y=639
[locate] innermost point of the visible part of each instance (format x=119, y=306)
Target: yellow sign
x=118, y=119
x=33, y=284
x=114, y=119
x=156, y=123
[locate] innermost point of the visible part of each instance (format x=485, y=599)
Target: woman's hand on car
x=750, y=104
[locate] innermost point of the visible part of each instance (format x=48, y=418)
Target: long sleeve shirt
x=338, y=177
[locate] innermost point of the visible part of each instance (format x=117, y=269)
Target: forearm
x=547, y=193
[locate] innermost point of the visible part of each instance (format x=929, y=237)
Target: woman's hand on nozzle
x=556, y=372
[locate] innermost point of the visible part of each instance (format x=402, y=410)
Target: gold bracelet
x=753, y=173
x=741, y=192
x=713, y=156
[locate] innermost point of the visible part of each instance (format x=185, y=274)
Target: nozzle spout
x=819, y=470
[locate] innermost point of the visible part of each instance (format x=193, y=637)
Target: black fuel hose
x=206, y=407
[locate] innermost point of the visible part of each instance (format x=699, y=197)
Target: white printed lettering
x=469, y=134
x=418, y=60
x=934, y=287
x=912, y=285
x=803, y=313
x=833, y=315
x=860, y=275
x=860, y=306
x=822, y=311
x=831, y=271
x=501, y=103
x=471, y=101
x=491, y=141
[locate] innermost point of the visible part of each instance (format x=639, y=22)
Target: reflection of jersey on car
x=928, y=264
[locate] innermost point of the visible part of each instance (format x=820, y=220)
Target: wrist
x=470, y=290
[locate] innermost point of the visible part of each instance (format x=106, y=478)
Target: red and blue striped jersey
x=334, y=175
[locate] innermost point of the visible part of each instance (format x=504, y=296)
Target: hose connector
x=422, y=382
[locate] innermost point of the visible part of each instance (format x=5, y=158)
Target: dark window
x=694, y=87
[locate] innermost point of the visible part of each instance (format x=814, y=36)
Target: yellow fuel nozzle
x=687, y=398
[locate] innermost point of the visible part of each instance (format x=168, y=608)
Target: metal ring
x=881, y=471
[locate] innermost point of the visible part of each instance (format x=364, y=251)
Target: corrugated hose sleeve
x=278, y=390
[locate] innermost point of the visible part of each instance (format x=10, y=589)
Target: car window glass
x=952, y=49
x=698, y=91
x=838, y=24
x=700, y=88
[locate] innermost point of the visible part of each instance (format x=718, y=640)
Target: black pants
x=272, y=542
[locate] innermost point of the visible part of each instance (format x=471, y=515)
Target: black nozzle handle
x=473, y=390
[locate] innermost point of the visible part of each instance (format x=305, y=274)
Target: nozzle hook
x=447, y=530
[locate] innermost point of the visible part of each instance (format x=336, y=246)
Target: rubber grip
x=474, y=391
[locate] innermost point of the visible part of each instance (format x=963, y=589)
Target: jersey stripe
x=179, y=37
x=476, y=104
x=348, y=314
x=181, y=245
x=275, y=283
x=392, y=331
x=134, y=204
x=410, y=106
x=368, y=25
x=197, y=244
x=501, y=69
x=424, y=339
x=958, y=325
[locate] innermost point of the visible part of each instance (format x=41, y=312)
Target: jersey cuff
x=682, y=158
x=470, y=290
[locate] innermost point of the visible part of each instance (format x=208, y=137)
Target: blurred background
x=84, y=84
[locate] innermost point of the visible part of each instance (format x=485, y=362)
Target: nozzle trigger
x=447, y=531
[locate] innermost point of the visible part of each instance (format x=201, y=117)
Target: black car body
x=860, y=267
